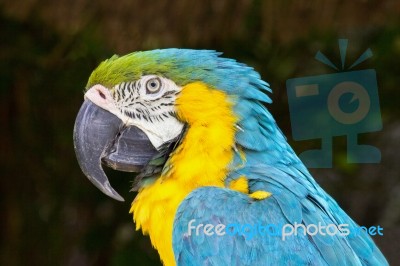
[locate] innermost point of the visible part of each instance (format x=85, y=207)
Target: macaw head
x=138, y=107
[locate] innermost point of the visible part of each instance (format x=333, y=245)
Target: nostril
x=102, y=95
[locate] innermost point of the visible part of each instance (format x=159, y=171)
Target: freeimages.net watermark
x=284, y=231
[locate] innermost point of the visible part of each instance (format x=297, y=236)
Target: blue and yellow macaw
x=214, y=168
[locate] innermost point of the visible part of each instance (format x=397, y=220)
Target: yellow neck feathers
x=201, y=160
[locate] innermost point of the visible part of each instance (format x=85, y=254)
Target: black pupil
x=153, y=85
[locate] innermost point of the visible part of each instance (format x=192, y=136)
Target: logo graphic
x=340, y=104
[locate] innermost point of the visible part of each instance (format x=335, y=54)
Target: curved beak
x=101, y=137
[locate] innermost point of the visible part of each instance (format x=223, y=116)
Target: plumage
x=231, y=165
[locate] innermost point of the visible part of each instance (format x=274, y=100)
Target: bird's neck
x=202, y=159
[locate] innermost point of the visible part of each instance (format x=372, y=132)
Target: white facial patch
x=148, y=103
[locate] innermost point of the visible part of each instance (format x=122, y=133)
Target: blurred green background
x=52, y=215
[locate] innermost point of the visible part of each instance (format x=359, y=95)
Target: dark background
x=52, y=215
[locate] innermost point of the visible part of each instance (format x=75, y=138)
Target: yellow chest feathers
x=201, y=160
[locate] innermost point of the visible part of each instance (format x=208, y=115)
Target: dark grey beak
x=101, y=137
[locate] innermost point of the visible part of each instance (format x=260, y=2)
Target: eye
x=153, y=85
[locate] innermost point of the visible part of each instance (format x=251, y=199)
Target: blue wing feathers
x=262, y=250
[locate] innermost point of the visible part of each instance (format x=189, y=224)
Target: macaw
x=217, y=182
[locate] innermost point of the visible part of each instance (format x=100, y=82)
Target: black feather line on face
x=165, y=104
x=169, y=93
x=173, y=114
x=123, y=90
